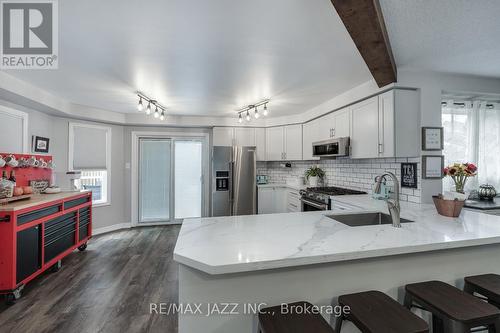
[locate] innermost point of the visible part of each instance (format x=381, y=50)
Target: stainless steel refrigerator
x=234, y=188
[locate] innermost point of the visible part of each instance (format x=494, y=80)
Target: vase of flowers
x=460, y=172
x=313, y=174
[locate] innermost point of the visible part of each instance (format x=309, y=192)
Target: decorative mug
x=2, y=162
x=37, y=164
x=44, y=164
x=32, y=161
x=23, y=163
x=50, y=165
x=11, y=161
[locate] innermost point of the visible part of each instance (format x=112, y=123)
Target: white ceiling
x=200, y=57
x=456, y=36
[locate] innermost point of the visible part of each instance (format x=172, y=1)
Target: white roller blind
x=90, y=147
x=12, y=134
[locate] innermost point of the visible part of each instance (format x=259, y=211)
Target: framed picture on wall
x=432, y=138
x=409, y=175
x=432, y=166
x=40, y=144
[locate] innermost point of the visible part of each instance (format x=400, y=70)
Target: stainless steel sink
x=361, y=219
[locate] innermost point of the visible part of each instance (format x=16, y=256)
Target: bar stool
x=272, y=320
x=375, y=312
x=452, y=309
x=486, y=285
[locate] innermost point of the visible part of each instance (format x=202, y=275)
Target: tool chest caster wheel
x=82, y=247
x=56, y=267
x=12, y=297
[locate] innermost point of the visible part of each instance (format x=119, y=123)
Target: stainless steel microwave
x=331, y=147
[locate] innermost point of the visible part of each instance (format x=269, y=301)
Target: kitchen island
x=278, y=258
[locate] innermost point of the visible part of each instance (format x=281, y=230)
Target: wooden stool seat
x=375, y=312
x=453, y=310
x=487, y=285
x=272, y=320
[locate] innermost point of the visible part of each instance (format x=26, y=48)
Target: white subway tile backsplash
x=344, y=172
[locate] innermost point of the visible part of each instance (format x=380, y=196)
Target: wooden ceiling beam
x=364, y=21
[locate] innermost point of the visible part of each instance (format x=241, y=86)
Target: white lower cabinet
x=271, y=199
x=293, y=201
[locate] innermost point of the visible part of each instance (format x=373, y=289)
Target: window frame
x=24, y=118
x=71, y=141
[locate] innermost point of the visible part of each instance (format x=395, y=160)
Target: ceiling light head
x=140, y=107
x=265, y=110
x=248, y=116
x=240, y=119
x=156, y=114
x=256, y=114
x=162, y=116
x=148, y=109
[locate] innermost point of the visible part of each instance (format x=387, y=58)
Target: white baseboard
x=111, y=228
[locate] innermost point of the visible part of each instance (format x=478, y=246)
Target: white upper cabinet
x=364, y=139
x=284, y=143
x=386, y=125
x=223, y=136
x=310, y=134
x=260, y=143
x=325, y=128
x=275, y=143
x=293, y=142
x=342, y=123
x=244, y=136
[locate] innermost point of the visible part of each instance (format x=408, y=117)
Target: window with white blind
x=14, y=131
x=472, y=134
x=90, y=153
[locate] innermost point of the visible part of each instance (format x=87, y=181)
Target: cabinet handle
x=380, y=148
x=5, y=219
x=333, y=131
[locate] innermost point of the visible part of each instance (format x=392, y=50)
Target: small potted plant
x=451, y=205
x=313, y=174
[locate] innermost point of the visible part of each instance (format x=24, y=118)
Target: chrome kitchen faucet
x=393, y=206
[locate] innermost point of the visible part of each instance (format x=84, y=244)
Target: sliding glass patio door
x=170, y=179
x=155, y=181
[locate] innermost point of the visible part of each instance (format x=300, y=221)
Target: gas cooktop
x=332, y=190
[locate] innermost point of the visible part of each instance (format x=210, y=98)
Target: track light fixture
x=159, y=111
x=255, y=109
x=140, y=107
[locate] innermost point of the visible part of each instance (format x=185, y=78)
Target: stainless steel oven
x=310, y=205
x=320, y=198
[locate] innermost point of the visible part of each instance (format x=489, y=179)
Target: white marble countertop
x=234, y=244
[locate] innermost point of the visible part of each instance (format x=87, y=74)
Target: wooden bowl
x=449, y=208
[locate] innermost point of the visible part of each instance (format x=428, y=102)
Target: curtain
x=472, y=134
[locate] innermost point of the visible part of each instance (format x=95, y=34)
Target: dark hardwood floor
x=107, y=288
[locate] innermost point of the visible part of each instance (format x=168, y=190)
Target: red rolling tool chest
x=36, y=238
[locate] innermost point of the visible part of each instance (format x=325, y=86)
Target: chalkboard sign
x=409, y=175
